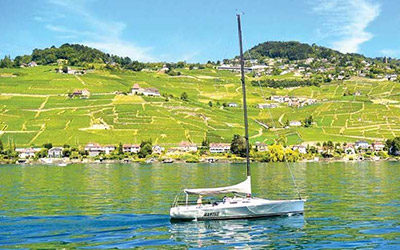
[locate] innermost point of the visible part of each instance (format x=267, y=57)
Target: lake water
x=349, y=205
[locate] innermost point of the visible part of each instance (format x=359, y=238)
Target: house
x=136, y=89
x=32, y=64
x=220, y=147
x=157, y=149
x=187, y=147
x=82, y=93
x=349, y=149
x=302, y=149
x=131, y=148
x=294, y=123
x=109, y=148
x=93, y=149
x=151, y=92
x=26, y=152
x=357, y=93
x=261, y=147
x=277, y=98
x=266, y=105
x=55, y=152
x=233, y=105
x=361, y=145
x=378, y=146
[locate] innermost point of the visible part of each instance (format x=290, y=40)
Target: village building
x=136, y=89
x=361, y=145
x=27, y=152
x=220, y=147
x=378, y=146
x=295, y=124
x=32, y=64
x=266, y=105
x=302, y=149
x=233, y=105
x=261, y=147
x=55, y=152
x=131, y=148
x=82, y=93
x=187, y=147
x=157, y=149
x=151, y=92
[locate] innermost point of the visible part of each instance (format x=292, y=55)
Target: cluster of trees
x=74, y=55
x=393, y=146
x=286, y=83
x=294, y=50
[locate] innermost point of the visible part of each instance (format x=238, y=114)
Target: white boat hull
x=239, y=209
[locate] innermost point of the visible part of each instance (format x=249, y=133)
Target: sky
x=198, y=30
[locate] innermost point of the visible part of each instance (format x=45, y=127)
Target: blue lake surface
x=349, y=205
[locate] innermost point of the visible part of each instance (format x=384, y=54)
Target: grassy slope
x=34, y=109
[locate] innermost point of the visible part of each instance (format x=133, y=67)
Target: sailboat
x=242, y=205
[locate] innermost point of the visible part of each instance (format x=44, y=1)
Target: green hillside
x=35, y=108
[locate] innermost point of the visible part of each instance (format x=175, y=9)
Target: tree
x=205, y=143
x=146, y=148
x=210, y=104
x=393, y=146
x=184, y=97
x=120, y=149
x=238, y=145
x=308, y=121
x=1, y=146
x=6, y=62
x=48, y=145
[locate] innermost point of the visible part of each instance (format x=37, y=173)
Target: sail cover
x=242, y=188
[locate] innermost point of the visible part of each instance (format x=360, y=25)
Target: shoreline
x=67, y=161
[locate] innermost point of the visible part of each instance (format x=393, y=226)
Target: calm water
x=126, y=206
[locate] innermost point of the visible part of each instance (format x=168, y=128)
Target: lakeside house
x=55, y=152
x=157, y=149
x=295, y=123
x=361, y=145
x=261, y=147
x=136, y=89
x=220, y=147
x=81, y=93
x=302, y=149
x=349, y=149
x=109, y=148
x=378, y=146
x=93, y=149
x=131, y=148
x=27, y=152
x=187, y=147
x=151, y=92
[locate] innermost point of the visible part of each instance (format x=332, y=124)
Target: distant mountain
x=293, y=51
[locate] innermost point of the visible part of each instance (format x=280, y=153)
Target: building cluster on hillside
x=30, y=64
x=137, y=90
x=331, y=68
x=293, y=101
x=68, y=70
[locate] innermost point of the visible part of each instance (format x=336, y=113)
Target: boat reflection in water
x=238, y=233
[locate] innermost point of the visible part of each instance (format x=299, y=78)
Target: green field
x=35, y=109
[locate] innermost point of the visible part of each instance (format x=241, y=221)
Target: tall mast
x=246, y=126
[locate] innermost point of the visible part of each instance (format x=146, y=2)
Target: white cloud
x=100, y=33
x=347, y=22
x=122, y=48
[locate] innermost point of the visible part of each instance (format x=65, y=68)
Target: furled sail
x=241, y=188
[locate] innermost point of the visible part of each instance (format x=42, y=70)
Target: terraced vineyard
x=35, y=109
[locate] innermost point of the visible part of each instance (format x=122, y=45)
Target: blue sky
x=197, y=31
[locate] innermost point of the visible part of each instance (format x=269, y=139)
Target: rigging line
x=273, y=124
